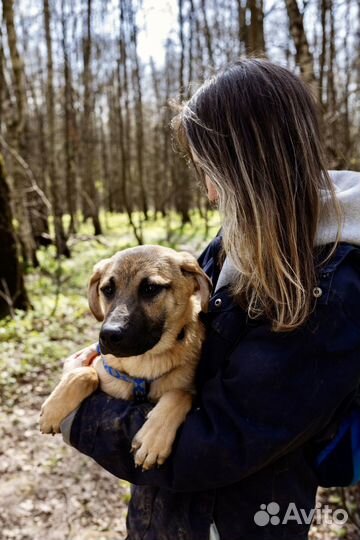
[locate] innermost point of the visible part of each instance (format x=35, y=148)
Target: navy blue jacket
x=263, y=399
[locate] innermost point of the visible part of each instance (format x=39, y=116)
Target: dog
x=149, y=299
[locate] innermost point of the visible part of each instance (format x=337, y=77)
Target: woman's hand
x=85, y=357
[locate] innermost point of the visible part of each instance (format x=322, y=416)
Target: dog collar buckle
x=141, y=389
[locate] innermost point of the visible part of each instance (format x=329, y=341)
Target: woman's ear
x=93, y=289
x=204, y=286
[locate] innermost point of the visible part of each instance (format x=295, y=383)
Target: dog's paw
x=49, y=420
x=151, y=446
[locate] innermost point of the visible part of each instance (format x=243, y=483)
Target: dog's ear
x=190, y=265
x=93, y=289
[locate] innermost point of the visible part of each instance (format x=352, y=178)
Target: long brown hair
x=253, y=129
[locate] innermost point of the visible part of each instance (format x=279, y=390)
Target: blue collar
x=141, y=386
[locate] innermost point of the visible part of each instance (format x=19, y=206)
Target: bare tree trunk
x=331, y=98
x=304, y=58
x=16, y=130
x=55, y=186
x=115, y=160
x=105, y=159
x=347, y=124
x=91, y=200
x=334, y=127
x=125, y=126
x=170, y=181
x=139, y=117
x=192, y=16
x=182, y=46
x=322, y=60
x=3, y=85
x=158, y=166
x=40, y=211
x=181, y=181
x=12, y=289
x=207, y=33
x=199, y=49
x=255, y=30
x=70, y=134
x=242, y=28
x=251, y=27
x=123, y=154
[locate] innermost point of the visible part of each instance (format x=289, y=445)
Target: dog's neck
x=181, y=353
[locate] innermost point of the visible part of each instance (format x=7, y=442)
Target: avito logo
x=320, y=515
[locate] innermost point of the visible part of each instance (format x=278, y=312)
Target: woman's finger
x=84, y=357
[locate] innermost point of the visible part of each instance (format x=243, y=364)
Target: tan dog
x=149, y=299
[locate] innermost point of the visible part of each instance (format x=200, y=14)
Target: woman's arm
x=276, y=392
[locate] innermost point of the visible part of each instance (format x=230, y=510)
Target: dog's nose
x=111, y=336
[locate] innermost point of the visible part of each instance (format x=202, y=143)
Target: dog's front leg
x=74, y=387
x=153, y=442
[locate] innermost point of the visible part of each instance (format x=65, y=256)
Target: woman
x=282, y=351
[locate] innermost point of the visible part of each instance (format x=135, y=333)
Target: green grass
x=60, y=321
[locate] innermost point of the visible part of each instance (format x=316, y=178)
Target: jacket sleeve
x=274, y=392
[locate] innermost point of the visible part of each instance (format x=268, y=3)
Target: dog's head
x=143, y=294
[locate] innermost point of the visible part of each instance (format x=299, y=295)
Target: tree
x=60, y=239
x=16, y=140
x=70, y=127
x=138, y=109
x=90, y=193
x=251, y=26
x=304, y=57
x=12, y=289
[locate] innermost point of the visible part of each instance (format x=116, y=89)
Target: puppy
x=148, y=299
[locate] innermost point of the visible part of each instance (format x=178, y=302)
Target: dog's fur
x=149, y=299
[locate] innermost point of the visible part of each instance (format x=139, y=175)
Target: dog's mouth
x=125, y=342
x=127, y=351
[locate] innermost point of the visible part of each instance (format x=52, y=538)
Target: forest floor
x=49, y=491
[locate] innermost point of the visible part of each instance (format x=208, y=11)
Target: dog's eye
x=150, y=290
x=108, y=290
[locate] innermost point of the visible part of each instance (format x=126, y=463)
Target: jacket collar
x=228, y=271
x=223, y=309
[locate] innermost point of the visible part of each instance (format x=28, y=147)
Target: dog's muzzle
x=124, y=341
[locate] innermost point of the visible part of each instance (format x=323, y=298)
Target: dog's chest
x=110, y=385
